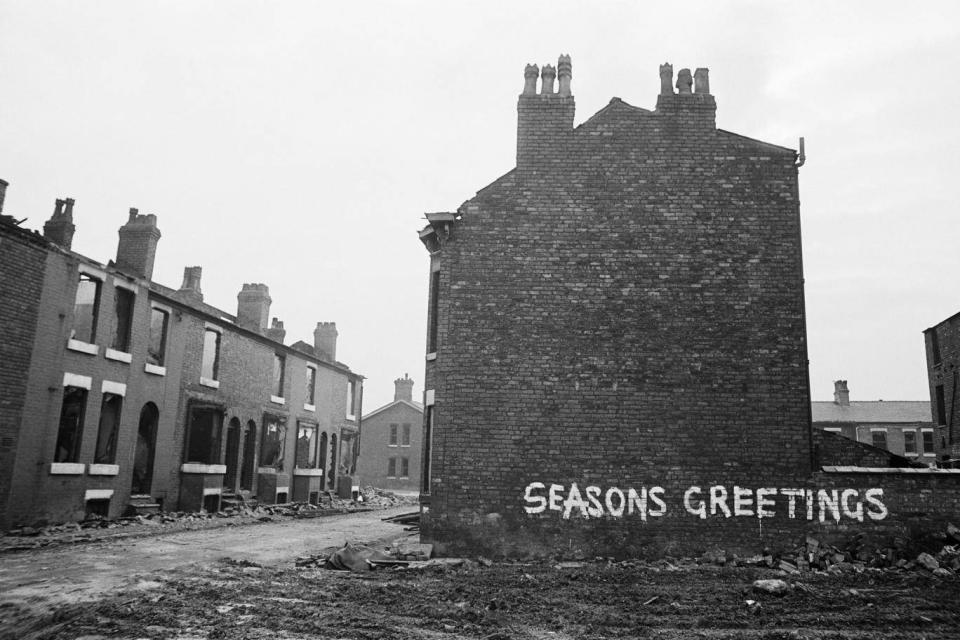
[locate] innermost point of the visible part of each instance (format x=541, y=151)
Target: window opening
x=306, y=454
x=279, y=365
x=271, y=445
x=405, y=440
x=108, y=430
x=393, y=435
x=910, y=442
x=203, y=437
x=210, y=366
x=70, y=432
x=311, y=385
x=123, y=309
x=85, y=309
x=157, y=346
x=434, y=308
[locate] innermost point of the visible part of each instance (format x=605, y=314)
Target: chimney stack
x=545, y=119
x=403, y=388
x=191, y=284
x=138, y=244
x=276, y=331
x=3, y=192
x=841, y=395
x=253, y=306
x=691, y=106
x=59, y=228
x=325, y=340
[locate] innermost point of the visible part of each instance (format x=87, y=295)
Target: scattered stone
x=774, y=586
x=927, y=561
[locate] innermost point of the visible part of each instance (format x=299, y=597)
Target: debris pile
x=374, y=497
x=356, y=557
x=938, y=553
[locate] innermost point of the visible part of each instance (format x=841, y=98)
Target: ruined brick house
x=942, y=342
x=902, y=427
x=616, y=348
x=392, y=442
x=122, y=394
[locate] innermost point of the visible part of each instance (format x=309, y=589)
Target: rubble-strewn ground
x=268, y=581
x=664, y=599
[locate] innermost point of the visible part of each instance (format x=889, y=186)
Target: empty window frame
x=927, y=437
x=109, y=429
x=157, y=347
x=306, y=453
x=279, y=368
x=86, y=307
x=351, y=399
x=433, y=311
x=311, y=386
x=392, y=468
x=935, y=346
x=123, y=302
x=404, y=468
x=271, y=443
x=70, y=432
x=910, y=443
x=393, y=435
x=427, y=452
x=405, y=435
x=210, y=365
x=878, y=438
x=204, y=428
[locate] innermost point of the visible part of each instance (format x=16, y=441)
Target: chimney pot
x=547, y=76
x=666, y=79
x=276, y=330
x=564, y=73
x=701, y=80
x=530, y=75
x=684, y=81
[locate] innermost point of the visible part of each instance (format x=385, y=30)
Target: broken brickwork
x=618, y=358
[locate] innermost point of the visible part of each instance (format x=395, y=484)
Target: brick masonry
x=942, y=343
x=376, y=450
x=622, y=310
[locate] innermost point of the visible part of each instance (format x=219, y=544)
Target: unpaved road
x=49, y=577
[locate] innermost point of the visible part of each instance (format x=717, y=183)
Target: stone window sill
x=278, y=400
x=155, y=369
x=431, y=356
x=207, y=382
x=98, y=494
x=210, y=469
x=308, y=472
x=119, y=356
x=83, y=347
x=67, y=468
x=309, y=407
x=103, y=469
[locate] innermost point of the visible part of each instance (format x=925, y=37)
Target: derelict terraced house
x=616, y=349
x=121, y=394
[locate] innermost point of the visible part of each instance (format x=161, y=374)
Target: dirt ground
x=499, y=601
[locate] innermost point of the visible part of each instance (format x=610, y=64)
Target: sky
x=299, y=143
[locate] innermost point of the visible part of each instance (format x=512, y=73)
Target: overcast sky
x=298, y=145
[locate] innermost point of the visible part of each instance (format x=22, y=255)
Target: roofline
x=951, y=318
x=391, y=404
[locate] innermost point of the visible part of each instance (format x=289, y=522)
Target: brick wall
x=376, y=451
x=23, y=254
x=836, y=449
x=943, y=360
x=627, y=312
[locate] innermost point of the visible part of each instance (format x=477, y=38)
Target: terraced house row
x=119, y=394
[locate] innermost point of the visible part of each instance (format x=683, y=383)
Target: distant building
x=943, y=361
x=392, y=442
x=902, y=427
x=119, y=394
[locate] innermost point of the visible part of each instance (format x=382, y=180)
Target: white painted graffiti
x=715, y=501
